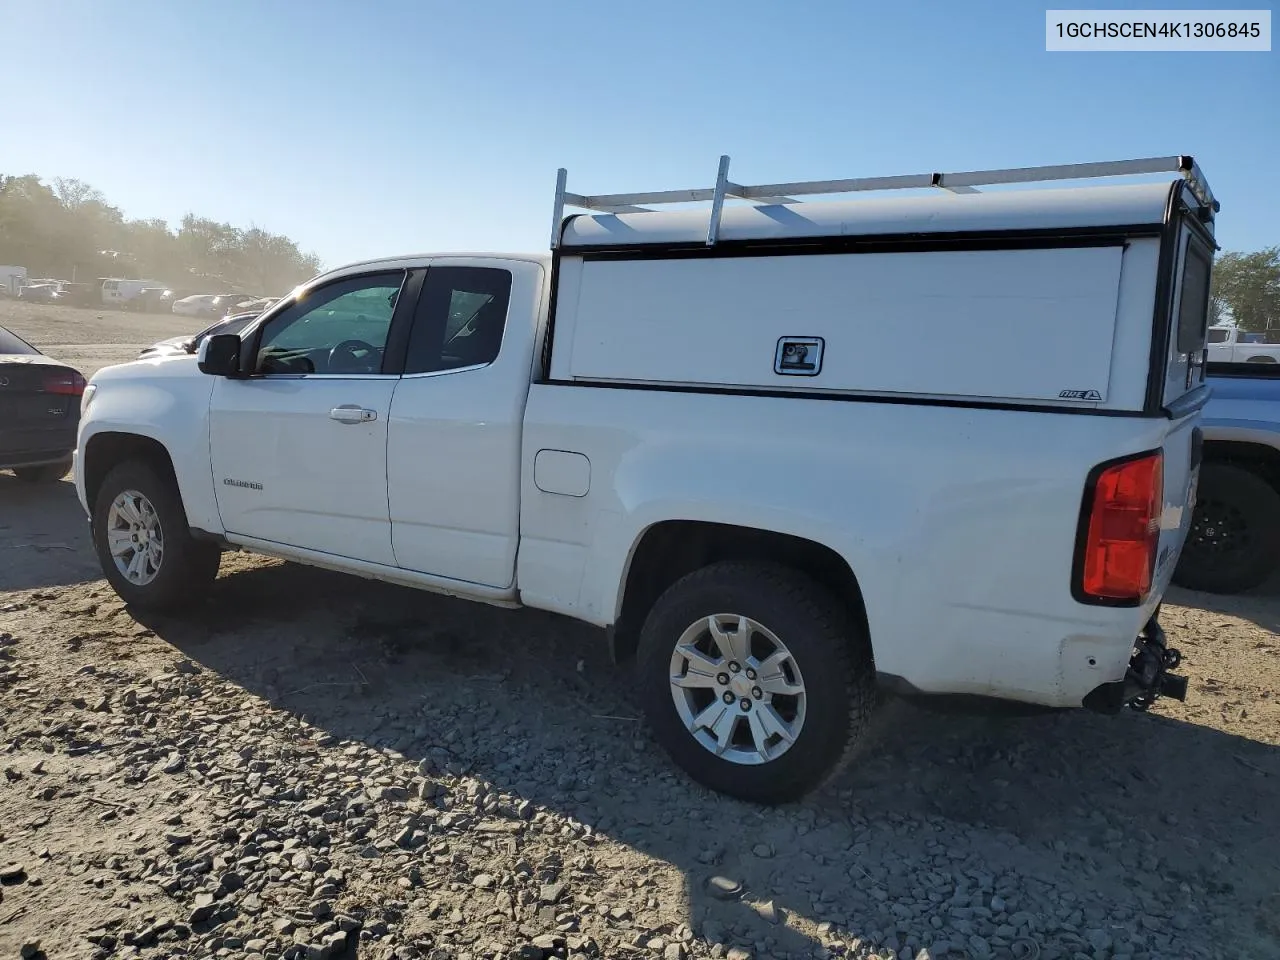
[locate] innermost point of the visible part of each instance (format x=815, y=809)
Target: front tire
x=1234, y=540
x=45, y=473
x=755, y=679
x=143, y=542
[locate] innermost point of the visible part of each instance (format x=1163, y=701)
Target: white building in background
x=12, y=278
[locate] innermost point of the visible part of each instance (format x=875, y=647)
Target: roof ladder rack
x=776, y=193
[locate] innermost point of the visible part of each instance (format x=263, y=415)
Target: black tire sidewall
x=820, y=636
x=1259, y=503
x=185, y=561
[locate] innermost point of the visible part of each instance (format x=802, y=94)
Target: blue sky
x=380, y=127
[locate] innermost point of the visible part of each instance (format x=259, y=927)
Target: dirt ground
x=91, y=339
x=311, y=765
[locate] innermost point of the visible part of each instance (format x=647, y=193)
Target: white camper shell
x=1060, y=298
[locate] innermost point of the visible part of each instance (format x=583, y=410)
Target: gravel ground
x=311, y=765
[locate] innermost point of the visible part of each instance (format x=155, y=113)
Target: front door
x=299, y=449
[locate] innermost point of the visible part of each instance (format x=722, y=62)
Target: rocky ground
x=309, y=765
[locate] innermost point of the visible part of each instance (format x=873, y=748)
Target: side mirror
x=219, y=355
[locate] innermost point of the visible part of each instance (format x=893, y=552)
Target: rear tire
x=45, y=473
x=1234, y=540
x=799, y=637
x=170, y=578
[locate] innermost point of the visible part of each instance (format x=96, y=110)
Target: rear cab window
x=460, y=319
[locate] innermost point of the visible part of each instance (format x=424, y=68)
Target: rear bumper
x=1147, y=679
x=1102, y=663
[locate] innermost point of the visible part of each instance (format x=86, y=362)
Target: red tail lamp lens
x=1124, y=530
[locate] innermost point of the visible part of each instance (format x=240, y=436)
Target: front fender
x=165, y=400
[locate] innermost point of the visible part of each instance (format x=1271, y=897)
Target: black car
x=39, y=411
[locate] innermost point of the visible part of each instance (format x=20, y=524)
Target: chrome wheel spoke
x=708, y=717
x=719, y=719
x=137, y=566
x=774, y=680
x=772, y=724
x=733, y=644
x=700, y=671
x=128, y=510
x=119, y=542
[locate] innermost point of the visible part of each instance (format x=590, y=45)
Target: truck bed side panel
x=960, y=524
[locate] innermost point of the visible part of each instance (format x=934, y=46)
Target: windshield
x=11, y=343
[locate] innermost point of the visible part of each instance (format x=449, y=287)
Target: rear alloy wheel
x=755, y=679
x=45, y=473
x=737, y=689
x=1233, y=543
x=144, y=544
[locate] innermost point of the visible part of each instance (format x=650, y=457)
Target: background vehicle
x=117, y=293
x=11, y=280
x=40, y=293
x=1234, y=541
x=1230, y=345
x=669, y=429
x=81, y=294
x=255, y=305
x=152, y=300
x=189, y=344
x=39, y=411
x=208, y=304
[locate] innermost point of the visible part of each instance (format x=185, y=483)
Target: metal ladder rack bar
x=777, y=193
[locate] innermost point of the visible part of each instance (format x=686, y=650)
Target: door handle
x=350, y=413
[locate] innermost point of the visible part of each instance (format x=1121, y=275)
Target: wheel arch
x=1262, y=458
x=667, y=550
x=106, y=450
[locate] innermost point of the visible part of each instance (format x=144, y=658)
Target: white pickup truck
x=1227, y=344
x=680, y=427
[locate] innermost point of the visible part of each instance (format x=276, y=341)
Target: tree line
x=68, y=230
x=1246, y=290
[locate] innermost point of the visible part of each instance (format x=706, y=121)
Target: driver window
x=338, y=329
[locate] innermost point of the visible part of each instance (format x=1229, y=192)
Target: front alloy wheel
x=143, y=541
x=135, y=537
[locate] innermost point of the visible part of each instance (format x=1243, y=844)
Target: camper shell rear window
x=1193, y=310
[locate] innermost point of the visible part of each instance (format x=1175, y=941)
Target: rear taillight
x=66, y=384
x=1121, y=529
